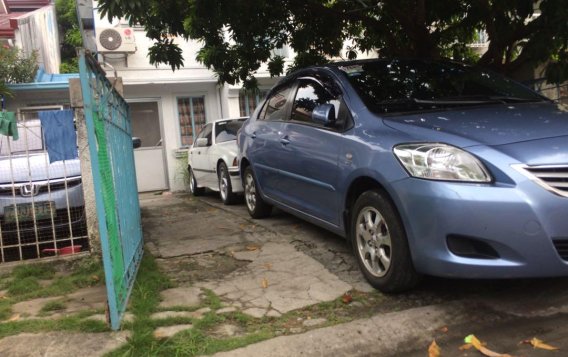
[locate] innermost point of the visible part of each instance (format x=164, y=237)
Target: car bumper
x=236, y=183
x=525, y=225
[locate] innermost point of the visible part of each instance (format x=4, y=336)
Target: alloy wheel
x=250, y=192
x=373, y=241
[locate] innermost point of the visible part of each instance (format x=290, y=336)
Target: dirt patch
x=202, y=267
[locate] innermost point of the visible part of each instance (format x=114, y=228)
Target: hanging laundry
x=8, y=124
x=59, y=133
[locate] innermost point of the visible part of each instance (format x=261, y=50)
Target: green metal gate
x=114, y=177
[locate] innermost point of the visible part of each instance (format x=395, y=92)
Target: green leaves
x=166, y=51
x=238, y=35
x=15, y=67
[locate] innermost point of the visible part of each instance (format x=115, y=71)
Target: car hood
x=37, y=168
x=488, y=125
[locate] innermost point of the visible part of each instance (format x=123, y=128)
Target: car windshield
x=399, y=86
x=227, y=130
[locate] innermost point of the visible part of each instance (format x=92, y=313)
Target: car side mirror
x=324, y=114
x=136, y=142
x=201, y=142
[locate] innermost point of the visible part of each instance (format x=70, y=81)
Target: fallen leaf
x=536, y=343
x=252, y=247
x=95, y=278
x=264, y=283
x=15, y=317
x=471, y=339
x=466, y=347
x=346, y=298
x=444, y=329
x=434, y=350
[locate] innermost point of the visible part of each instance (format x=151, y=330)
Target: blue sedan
x=427, y=167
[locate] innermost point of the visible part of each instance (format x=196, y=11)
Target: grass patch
x=23, y=283
x=51, y=306
x=211, y=300
x=143, y=302
x=74, y=324
x=25, y=286
x=39, y=271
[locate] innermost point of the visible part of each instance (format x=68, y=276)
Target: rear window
x=227, y=130
x=399, y=86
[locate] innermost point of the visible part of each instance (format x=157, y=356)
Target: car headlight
x=436, y=161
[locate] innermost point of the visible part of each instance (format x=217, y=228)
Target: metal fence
x=556, y=92
x=114, y=177
x=42, y=210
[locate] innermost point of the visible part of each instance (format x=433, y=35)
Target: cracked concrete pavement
x=271, y=266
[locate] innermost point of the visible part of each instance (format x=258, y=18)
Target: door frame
x=158, y=101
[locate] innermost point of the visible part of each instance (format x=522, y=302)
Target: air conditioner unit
x=115, y=40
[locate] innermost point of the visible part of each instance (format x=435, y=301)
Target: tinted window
x=408, y=85
x=310, y=94
x=275, y=107
x=227, y=130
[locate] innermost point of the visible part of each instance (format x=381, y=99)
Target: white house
x=168, y=108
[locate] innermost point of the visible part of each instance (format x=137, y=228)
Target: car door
x=309, y=152
x=200, y=157
x=266, y=132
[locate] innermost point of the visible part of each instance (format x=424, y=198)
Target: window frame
x=287, y=107
x=348, y=124
x=192, y=122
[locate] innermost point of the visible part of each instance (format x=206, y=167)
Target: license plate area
x=25, y=211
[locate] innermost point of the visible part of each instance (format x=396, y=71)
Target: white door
x=149, y=158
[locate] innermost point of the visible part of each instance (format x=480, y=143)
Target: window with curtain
x=191, y=112
x=249, y=101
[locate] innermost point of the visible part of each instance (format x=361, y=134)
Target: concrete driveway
x=267, y=268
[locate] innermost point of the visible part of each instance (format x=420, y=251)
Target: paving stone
x=273, y=313
x=171, y=314
x=169, y=331
x=314, y=322
x=226, y=310
x=128, y=317
x=31, y=308
x=62, y=344
x=198, y=314
x=180, y=297
x=94, y=297
x=280, y=278
x=227, y=330
x=255, y=312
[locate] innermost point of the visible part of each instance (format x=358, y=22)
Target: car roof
x=227, y=119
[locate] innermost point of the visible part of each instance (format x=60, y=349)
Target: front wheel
x=225, y=188
x=380, y=244
x=193, y=189
x=256, y=206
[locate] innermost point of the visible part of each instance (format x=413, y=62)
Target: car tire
x=380, y=244
x=225, y=187
x=193, y=189
x=256, y=206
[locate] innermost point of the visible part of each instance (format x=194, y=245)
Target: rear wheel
x=225, y=188
x=256, y=206
x=380, y=244
x=196, y=191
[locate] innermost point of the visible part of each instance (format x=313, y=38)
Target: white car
x=212, y=160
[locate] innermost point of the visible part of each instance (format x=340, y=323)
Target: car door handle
x=285, y=141
x=253, y=135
